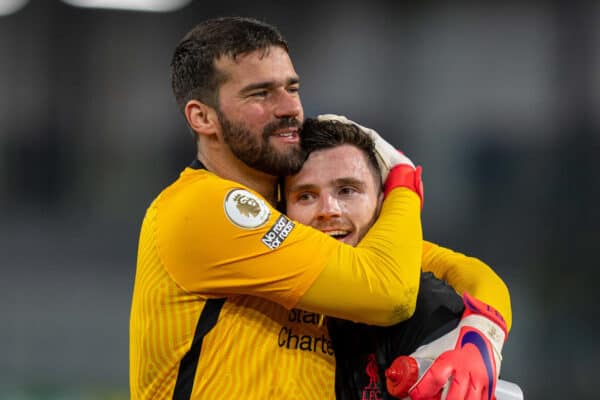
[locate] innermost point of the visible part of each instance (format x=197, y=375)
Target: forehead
x=272, y=64
x=325, y=166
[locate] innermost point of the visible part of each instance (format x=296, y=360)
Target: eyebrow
x=301, y=188
x=336, y=182
x=349, y=181
x=269, y=84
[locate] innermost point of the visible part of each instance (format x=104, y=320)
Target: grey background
x=497, y=100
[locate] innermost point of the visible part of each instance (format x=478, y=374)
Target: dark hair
x=319, y=135
x=193, y=72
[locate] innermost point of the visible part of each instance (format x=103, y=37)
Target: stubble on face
x=257, y=152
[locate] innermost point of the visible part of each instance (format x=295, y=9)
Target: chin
x=350, y=240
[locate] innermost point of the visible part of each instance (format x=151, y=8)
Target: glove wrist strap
x=403, y=175
x=476, y=307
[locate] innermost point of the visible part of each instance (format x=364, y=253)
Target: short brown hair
x=193, y=72
x=319, y=135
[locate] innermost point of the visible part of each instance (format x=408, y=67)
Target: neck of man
x=223, y=163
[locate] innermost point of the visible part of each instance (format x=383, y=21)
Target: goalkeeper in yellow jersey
x=219, y=267
x=339, y=191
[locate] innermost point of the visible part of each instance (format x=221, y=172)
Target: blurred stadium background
x=497, y=100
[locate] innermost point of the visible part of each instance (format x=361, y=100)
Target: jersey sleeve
x=217, y=238
x=384, y=268
x=468, y=274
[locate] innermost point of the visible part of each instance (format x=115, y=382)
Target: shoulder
x=201, y=197
x=198, y=188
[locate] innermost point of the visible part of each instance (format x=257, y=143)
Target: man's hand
x=387, y=155
x=396, y=169
x=466, y=361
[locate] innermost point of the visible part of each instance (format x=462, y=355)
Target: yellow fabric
x=395, y=287
x=190, y=251
x=468, y=274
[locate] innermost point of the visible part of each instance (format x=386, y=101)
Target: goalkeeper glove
x=397, y=170
x=466, y=361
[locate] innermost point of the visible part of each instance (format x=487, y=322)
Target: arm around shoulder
x=376, y=282
x=470, y=275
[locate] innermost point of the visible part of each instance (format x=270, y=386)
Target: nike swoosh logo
x=475, y=339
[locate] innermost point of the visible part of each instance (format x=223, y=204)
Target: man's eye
x=293, y=89
x=348, y=190
x=305, y=197
x=260, y=94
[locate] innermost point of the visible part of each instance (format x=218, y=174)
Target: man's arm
x=465, y=274
x=361, y=287
x=468, y=275
x=213, y=247
x=468, y=358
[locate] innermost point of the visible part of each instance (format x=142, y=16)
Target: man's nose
x=288, y=105
x=329, y=207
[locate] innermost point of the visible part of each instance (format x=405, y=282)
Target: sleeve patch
x=246, y=210
x=278, y=232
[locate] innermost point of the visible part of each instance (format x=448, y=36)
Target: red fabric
x=403, y=175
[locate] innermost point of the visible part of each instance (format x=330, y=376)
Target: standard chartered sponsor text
x=292, y=339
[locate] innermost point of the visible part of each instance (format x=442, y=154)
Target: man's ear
x=201, y=117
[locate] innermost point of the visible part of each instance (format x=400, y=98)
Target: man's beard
x=257, y=152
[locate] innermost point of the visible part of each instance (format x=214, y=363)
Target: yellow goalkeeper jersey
x=218, y=274
x=212, y=311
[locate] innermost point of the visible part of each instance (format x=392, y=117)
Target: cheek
x=292, y=211
x=299, y=213
x=254, y=114
x=365, y=220
x=251, y=115
x=363, y=212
